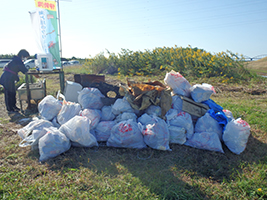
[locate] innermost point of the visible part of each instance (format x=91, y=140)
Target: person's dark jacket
x=10, y=73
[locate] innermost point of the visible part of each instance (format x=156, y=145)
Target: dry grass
x=258, y=66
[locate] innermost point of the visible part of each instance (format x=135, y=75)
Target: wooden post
x=62, y=81
x=28, y=90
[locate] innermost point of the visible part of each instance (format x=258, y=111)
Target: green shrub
x=188, y=61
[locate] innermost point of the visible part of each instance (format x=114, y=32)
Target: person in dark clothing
x=10, y=75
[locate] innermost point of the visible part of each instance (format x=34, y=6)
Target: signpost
x=46, y=24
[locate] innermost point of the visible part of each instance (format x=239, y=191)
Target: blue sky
x=89, y=27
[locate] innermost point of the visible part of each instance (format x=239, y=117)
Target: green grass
x=116, y=173
x=110, y=173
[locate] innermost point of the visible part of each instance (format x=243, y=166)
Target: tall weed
x=188, y=61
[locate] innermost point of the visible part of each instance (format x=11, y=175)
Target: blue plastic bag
x=213, y=105
x=219, y=116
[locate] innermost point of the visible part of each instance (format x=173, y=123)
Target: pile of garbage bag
x=146, y=117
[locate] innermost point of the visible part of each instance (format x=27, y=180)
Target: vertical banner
x=44, y=22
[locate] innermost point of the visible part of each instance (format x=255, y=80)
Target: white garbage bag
x=38, y=124
x=103, y=130
x=52, y=144
x=171, y=114
x=90, y=98
x=178, y=83
x=77, y=129
x=205, y=140
x=93, y=114
x=68, y=111
x=153, y=110
x=55, y=123
x=177, y=135
x=126, y=134
x=207, y=123
x=144, y=119
x=120, y=106
x=229, y=115
x=202, y=92
x=49, y=107
x=35, y=130
x=125, y=116
x=181, y=119
x=156, y=134
x=236, y=134
x=177, y=103
x=107, y=114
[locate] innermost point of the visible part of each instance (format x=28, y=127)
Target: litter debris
x=142, y=115
x=178, y=83
x=52, y=144
x=236, y=135
x=202, y=92
x=142, y=95
x=205, y=140
x=49, y=107
x=156, y=133
x=126, y=134
x=68, y=111
x=77, y=129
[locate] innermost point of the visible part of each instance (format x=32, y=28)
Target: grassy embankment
x=183, y=173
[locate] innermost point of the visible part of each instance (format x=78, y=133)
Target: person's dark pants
x=10, y=100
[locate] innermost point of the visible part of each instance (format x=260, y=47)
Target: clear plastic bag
x=103, y=130
x=156, y=134
x=144, y=119
x=229, y=115
x=201, y=92
x=93, y=114
x=120, y=106
x=177, y=103
x=177, y=135
x=107, y=114
x=52, y=144
x=90, y=98
x=154, y=110
x=38, y=124
x=208, y=124
x=49, y=107
x=68, y=111
x=125, y=116
x=178, y=83
x=181, y=119
x=236, y=135
x=126, y=134
x=77, y=130
x=205, y=140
